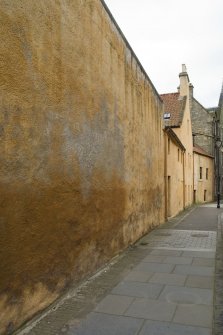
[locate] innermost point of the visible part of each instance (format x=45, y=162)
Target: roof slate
x=201, y=151
x=175, y=105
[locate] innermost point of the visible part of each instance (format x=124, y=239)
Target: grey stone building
x=207, y=128
x=218, y=111
x=203, y=125
x=216, y=114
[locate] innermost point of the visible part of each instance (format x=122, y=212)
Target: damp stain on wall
x=80, y=154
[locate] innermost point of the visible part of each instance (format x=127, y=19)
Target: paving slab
x=194, y=315
x=199, y=254
x=155, y=267
x=151, y=309
x=168, y=279
x=154, y=259
x=166, y=252
x=187, y=295
x=114, y=304
x=178, y=260
x=102, y=324
x=137, y=289
x=167, y=328
x=138, y=276
x=204, y=262
x=194, y=270
x=200, y=281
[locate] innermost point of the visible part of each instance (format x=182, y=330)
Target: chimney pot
x=184, y=68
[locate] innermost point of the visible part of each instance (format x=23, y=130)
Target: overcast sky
x=167, y=33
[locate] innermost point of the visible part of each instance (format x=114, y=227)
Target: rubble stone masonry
x=202, y=127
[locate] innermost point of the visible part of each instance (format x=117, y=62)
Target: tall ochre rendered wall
x=81, y=151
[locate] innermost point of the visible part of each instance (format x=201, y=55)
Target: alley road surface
x=162, y=285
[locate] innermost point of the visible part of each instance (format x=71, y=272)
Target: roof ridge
x=170, y=93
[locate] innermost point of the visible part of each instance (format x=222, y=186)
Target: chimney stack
x=184, y=81
x=191, y=89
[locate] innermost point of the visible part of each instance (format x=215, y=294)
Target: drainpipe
x=184, y=180
x=193, y=165
x=213, y=181
x=218, y=146
x=193, y=180
x=165, y=173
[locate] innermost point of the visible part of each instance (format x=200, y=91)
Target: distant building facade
x=177, y=117
x=190, y=131
x=208, y=127
x=174, y=152
x=203, y=175
x=203, y=123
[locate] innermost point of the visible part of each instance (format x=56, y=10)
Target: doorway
x=205, y=195
x=195, y=196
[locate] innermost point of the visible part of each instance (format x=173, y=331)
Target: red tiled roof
x=175, y=105
x=201, y=151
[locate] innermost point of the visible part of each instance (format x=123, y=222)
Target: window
x=205, y=195
x=200, y=172
x=207, y=174
x=178, y=155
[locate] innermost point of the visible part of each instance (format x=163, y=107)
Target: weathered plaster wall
x=206, y=182
x=184, y=132
x=81, y=152
x=174, y=178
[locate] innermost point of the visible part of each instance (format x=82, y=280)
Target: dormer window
x=166, y=116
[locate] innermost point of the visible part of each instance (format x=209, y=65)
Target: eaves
x=174, y=137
